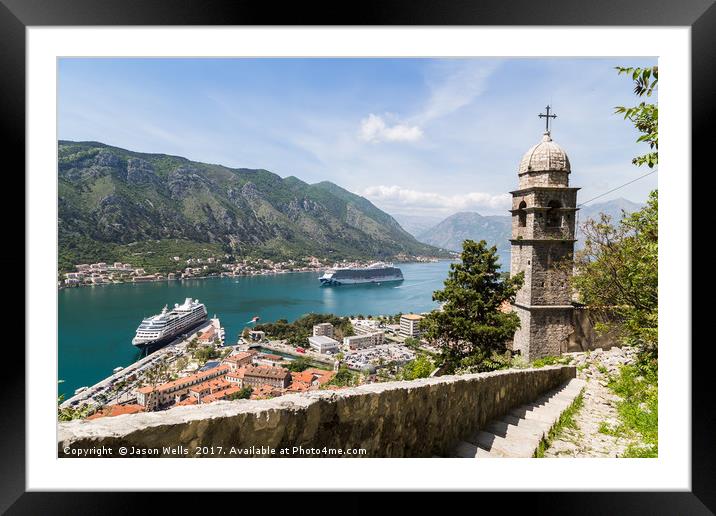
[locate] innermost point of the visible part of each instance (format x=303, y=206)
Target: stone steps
x=518, y=433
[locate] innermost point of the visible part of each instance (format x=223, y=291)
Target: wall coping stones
x=390, y=410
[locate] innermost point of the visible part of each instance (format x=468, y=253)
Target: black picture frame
x=700, y=15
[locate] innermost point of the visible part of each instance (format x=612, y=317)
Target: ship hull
x=350, y=281
x=156, y=344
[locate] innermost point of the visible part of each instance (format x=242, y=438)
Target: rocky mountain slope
x=111, y=198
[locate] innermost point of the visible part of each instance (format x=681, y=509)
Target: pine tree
x=470, y=328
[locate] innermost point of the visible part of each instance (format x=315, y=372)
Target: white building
x=410, y=325
x=364, y=326
x=364, y=341
x=323, y=329
x=323, y=344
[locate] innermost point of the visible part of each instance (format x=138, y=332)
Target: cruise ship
x=163, y=327
x=373, y=273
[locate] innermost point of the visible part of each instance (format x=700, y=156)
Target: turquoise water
x=96, y=324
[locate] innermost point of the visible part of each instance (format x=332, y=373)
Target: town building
x=310, y=379
x=544, y=209
x=410, y=325
x=323, y=330
x=152, y=397
x=236, y=376
x=323, y=344
x=276, y=377
x=269, y=360
x=365, y=326
x=117, y=410
x=239, y=359
x=364, y=341
x=209, y=387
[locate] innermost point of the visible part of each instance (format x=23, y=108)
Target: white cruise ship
x=374, y=273
x=163, y=327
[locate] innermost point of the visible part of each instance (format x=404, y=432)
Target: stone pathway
x=599, y=406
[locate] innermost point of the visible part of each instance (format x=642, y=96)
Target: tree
x=618, y=269
x=242, y=394
x=469, y=327
x=421, y=367
x=298, y=364
x=644, y=116
x=343, y=378
x=70, y=413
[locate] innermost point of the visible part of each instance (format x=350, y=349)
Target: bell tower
x=542, y=246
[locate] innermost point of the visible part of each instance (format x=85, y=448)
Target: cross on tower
x=547, y=117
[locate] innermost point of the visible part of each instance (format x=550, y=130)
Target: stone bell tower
x=542, y=246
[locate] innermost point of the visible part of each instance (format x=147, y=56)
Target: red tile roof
x=117, y=410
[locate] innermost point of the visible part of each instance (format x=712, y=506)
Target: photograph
x=359, y=257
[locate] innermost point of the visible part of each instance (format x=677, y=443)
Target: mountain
x=613, y=208
x=450, y=233
x=417, y=224
x=114, y=204
x=496, y=230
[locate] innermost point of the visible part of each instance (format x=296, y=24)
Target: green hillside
x=116, y=204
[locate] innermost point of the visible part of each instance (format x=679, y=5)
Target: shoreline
x=272, y=273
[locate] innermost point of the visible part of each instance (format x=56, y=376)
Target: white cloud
x=374, y=129
x=400, y=198
x=453, y=85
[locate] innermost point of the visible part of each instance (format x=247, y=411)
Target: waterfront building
x=152, y=397
x=364, y=341
x=323, y=344
x=410, y=325
x=323, y=330
x=277, y=377
x=257, y=335
x=208, y=337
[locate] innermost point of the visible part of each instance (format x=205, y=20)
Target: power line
x=617, y=188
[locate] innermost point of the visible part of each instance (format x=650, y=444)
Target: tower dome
x=546, y=156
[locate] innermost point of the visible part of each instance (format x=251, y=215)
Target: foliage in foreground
x=618, y=271
x=421, y=367
x=470, y=329
x=566, y=420
x=644, y=116
x=638, y=410
x=344, y=378
x=70, y=413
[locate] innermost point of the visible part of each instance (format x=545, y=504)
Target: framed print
x=422, y=235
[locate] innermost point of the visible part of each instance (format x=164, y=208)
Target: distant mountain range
x=114, y=202
x=496, y=229
x=450, y=233
x=417, y=224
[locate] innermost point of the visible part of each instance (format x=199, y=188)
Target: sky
x=423, y=137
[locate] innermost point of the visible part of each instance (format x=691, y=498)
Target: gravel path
x=599, y=406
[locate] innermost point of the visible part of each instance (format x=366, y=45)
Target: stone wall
x=544, y=330
x=420, y=418
x=584, y=336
